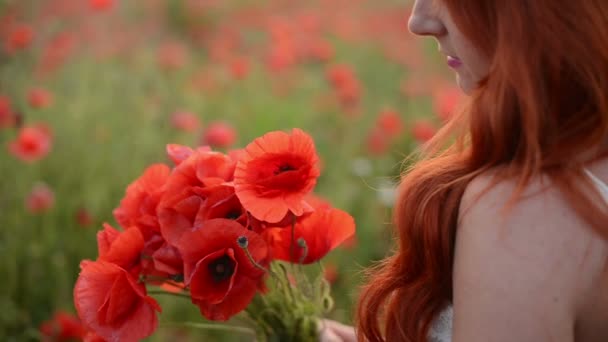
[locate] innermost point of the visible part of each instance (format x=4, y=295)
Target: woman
x=508, y=227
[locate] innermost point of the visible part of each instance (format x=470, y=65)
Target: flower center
x=221, y=268
x=284, y=168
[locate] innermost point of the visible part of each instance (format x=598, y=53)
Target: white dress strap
x=601, y=186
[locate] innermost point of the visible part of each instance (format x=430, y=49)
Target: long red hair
x=543, y=104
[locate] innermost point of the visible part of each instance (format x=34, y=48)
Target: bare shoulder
x=525, y=270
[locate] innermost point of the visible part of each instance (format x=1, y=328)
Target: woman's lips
x=454, y=62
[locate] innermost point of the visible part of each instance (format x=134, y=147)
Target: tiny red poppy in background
x=172, y=55
x=378, y=142
x=32, y=143
x=239, y=68
x=20, y=37
x=185, y=121
x=62, y=327
x=390, y=123
x=39, y=98
x=40, y=199
x=101, y=5
x=7, y=117
x=330, y=272
x=219, y=134
x=446, y=102
x=423, y=131
x=275, y=173
x=83, y=217
x=322, y=231
x=113, y=304
x=222, y=279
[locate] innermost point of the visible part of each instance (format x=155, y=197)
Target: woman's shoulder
x=535, y=253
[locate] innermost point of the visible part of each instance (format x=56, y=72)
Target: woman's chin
x=465, y=84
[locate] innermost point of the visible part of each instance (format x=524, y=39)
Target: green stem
x=211, y=326
x=168, y=294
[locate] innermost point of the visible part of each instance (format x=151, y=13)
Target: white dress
x=441, y=329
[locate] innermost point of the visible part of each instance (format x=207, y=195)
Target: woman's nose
x=424, y=21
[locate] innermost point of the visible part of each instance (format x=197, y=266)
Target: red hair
x=543, y=104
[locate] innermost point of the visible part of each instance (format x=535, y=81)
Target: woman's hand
x=332, y=331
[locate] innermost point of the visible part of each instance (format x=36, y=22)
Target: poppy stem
x=212, y=326
x=244, y=243
x=302, y=244
x=168, y=293
x=292, y=255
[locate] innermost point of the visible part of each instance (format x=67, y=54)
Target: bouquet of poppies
x=227, y=231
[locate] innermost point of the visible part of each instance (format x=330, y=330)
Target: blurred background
x=91, y=91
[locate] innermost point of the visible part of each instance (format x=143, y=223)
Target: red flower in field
x=446, y=101
x=185, y=121
x=239, y=68
x=40, y=199
x=113, y=304
x=219, y=134
x=7, y=117
x=275, y=174
x=120, y=248
x=172, y=55
x=32, y=143
x=39, y=98
x=423, y=131
x=330, y=273
x=185, y=204
x=83, y=217
x=19, y=38
x=340, y=74
x=222, y=280
x=377, y=142
x=178, y=153
x=390, y=123
x=62, y=327
x=101, y=5
x=138, y=207
x=323, y=230
x=320, y=50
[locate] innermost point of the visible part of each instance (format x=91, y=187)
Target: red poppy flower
x=172, y=55
x=323, y=230
x=239, y=68
x=40, y=199
x=330, y=272
x=120, y=248
x=446, y=102
x=111, y=302
x=377, y=142
x=19, y=38
x=185, y=121
x=83, y=217
x=138, y=207
x=7, y=117
x=390, y=123
x=275, y=174
x=423, y=131
x=221, y=277
x=61, y=327
x=185, y=197
x=219, y=134
x=39, y=98
x=178, y=153
x=32, y=143
x=101, y=5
